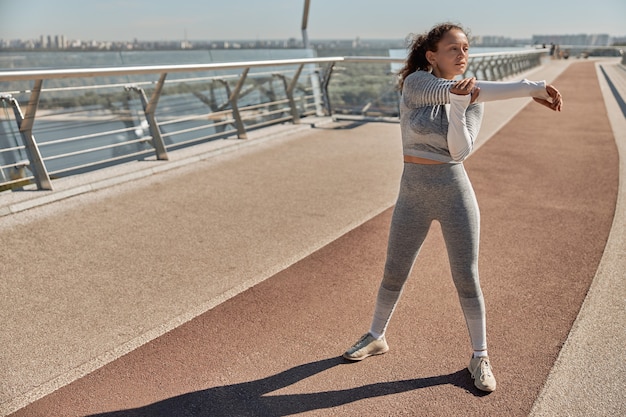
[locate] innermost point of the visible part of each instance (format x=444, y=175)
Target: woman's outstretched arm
x=483, y=91
x=424, y=89
x=541, y=92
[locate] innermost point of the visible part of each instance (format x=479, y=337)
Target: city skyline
x=60, y=42
x=157, y=20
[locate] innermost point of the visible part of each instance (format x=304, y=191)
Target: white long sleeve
x=460, y=140
x=503, y=90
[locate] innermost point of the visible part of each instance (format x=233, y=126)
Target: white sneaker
x=366, y=346
x=480, y=368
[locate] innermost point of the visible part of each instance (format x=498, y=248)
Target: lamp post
x=305, y=18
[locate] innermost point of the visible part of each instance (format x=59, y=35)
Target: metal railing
x=90, y=118
x=498, y=66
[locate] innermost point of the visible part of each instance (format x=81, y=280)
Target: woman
x=440, y=119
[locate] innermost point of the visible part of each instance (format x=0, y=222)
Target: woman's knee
x=467, y=285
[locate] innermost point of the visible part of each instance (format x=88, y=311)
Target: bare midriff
x=418, y=160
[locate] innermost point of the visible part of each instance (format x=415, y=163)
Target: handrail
x=28, y=75
x=193, y=109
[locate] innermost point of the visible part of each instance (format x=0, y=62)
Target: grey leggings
x=441, y=192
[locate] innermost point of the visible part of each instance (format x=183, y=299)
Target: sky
x=149, y=20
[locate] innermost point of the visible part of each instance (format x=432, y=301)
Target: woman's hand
x=556, y=101
x=466, y=86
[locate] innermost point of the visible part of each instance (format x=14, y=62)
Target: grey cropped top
x=442, y=126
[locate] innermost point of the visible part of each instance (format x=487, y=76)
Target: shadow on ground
x=250, y=399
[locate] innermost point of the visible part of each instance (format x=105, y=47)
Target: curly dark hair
x=419, y=44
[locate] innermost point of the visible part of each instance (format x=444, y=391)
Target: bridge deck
x=231, y=285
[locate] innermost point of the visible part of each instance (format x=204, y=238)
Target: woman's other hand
x=466, y=86
x=556, y=100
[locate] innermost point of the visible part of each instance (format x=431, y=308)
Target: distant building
x=619, y=40
x=60, y=42
x=497, y=41
x=574, y=40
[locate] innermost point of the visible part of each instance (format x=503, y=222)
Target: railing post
x=289, y=88
x=317, y=93
x=232, y=98
x=149, y=107
x=325, y=80
x=25, y=126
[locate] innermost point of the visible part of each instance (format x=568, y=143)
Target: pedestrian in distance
x=440, y=117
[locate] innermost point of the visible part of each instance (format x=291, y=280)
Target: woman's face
x=451, y=57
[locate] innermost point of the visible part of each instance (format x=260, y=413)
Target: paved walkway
x=231, y=284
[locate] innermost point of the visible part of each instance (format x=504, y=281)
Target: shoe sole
x=485, y=389
x=366, y=356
